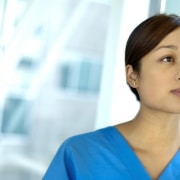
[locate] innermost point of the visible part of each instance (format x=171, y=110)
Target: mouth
x=176, y=92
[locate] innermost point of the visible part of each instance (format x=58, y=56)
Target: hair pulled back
x=145, y=37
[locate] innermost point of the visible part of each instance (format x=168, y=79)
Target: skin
x=154, y=134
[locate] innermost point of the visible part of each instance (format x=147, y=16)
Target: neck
x=159, y=130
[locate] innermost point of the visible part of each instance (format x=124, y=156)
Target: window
x=81, y=76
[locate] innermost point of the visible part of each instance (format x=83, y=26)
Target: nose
x=178, y=76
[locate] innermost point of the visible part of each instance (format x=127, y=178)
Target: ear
x=131, y=76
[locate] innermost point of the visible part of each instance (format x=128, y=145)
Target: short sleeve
x=60, y=167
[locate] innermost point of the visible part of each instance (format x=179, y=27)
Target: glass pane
x=50, y=73
x=172, y=6
x=15, y=116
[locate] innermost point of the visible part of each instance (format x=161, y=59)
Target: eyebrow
x=167, y=46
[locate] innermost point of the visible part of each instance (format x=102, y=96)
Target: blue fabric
x=103, y=155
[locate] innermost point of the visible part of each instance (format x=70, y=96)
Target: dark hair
x=145, y=37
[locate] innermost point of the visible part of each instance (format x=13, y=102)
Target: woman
x=146, y=147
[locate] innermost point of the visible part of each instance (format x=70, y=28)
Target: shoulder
x=88, y=143
x=87, y=155
x=90, y=138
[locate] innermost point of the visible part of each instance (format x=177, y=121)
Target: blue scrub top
x=103, y=155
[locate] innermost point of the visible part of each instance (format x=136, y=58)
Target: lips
x=176, y=91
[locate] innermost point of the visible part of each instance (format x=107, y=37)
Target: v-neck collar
x=135, y=166
x=172, y=170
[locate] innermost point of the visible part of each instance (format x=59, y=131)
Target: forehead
x=172, y=39
x=170, y=42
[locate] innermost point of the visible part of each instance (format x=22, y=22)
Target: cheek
x=152, y=85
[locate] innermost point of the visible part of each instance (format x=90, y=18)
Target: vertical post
x=116, y=102
x=154, y=7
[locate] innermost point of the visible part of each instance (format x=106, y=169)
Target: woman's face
x=158, y=83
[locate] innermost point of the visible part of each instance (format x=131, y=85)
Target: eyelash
x=168, y=59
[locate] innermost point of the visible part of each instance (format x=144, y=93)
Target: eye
x=167, y=59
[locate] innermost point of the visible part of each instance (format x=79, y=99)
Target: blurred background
x=62, y=73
